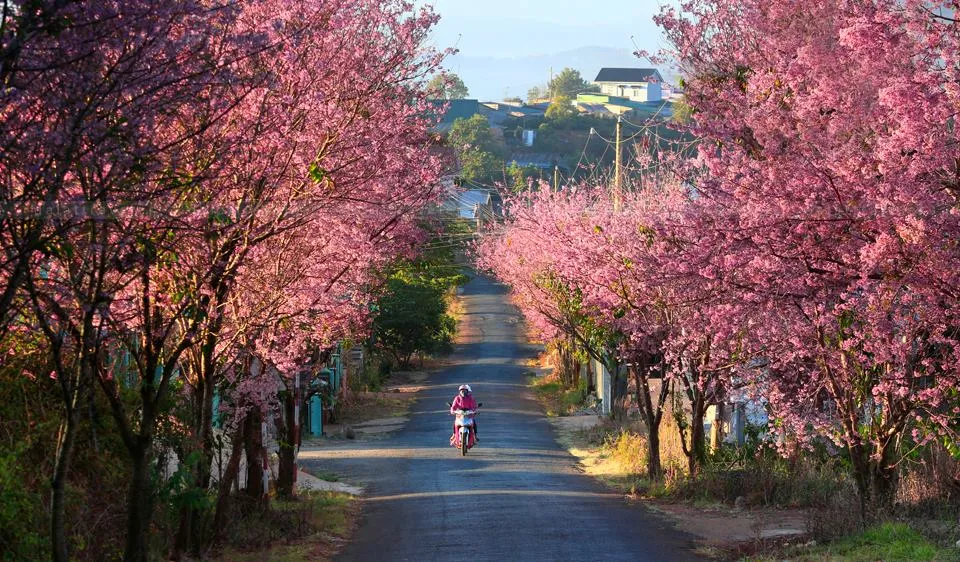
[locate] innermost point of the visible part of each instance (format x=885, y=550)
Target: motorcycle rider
x=464, y=400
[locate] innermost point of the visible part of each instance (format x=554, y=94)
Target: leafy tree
x=536, y=93
x=568, y=83
x=447, y=86
x=519, y=177
x=478, y=152
x=561, y=109
x=412, y=313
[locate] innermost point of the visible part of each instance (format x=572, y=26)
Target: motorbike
x=465, y=438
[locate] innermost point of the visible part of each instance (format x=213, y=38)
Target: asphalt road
x=516, y=496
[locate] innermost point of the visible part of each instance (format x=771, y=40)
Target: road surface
x=516, y=496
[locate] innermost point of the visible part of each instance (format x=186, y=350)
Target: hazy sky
x=513, y=28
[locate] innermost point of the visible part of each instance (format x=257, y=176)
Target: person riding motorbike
x=464, y=401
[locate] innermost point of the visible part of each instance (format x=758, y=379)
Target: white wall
x=650, y=91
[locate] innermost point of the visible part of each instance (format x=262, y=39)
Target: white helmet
x=465, y=387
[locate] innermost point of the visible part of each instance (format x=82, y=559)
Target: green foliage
x=561, y=109
x=21, y=514
x=519, y=178
x=447, y=86
x=682, y=111
x=568, y=83
x=479, y=153
x=887, y=541
x=556, y=400
x=412, y=313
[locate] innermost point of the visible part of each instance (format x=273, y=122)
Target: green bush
x=21, y=513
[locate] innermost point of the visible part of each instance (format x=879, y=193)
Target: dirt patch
x=575, y=423
x=724, y=527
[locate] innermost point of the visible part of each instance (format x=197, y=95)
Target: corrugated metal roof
x=628, y=75
x=457, y=109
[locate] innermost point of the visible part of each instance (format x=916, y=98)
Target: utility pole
x=616, y=170
x=556, y=178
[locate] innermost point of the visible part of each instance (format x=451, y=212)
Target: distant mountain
x=493, y=78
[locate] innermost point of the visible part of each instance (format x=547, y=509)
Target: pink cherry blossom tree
x=93, y=93
x=829, y=219
x=216, y=131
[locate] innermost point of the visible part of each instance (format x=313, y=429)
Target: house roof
x=628, y=75
x=456, y=109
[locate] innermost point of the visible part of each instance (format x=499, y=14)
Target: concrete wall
x=604, y=385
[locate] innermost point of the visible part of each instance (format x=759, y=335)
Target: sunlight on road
x=457, y=493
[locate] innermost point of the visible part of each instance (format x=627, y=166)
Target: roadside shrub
x=629, y=450
x=255, y=526
x=838, y=516
x=21, y=514
x=929, y=485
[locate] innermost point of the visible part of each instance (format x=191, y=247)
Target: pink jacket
x=467, y=402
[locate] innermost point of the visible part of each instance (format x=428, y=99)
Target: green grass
x=326, y=476
x=887, y=542
x=555, y=400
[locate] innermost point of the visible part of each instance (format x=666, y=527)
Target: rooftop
x=455, y=109
x=628, y=75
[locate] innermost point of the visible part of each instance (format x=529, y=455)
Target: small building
x=605, y=105
x=635, y=84
x=500, y=112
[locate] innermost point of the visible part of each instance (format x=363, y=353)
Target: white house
x=635, y=84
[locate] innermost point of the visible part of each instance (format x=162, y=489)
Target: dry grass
x=366, y=406
x=314, y=526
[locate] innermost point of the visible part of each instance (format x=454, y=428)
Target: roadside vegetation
x=887, y=541
x=755, y=478
x=309, y=527
x=412, y=318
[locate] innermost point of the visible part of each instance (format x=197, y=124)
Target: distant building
x=634, y=84
x=499, y=112
x=454, y=109
x=540, y=161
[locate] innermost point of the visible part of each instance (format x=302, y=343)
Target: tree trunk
x=287, y=446
x=652, y=415
x=876, y=479
x=228, y=479
x=697, y=453
x=654, y=467
x=73, y=396
x=253, y=447
x=139, y=504
x=58, y=537
x=190, y=532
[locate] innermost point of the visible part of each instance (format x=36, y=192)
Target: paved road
x=516, y=496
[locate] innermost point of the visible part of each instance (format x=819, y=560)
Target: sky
x=506, y=28
x=517, y=29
